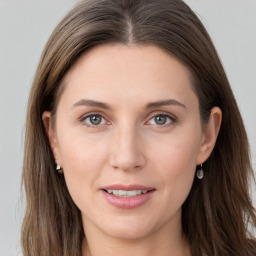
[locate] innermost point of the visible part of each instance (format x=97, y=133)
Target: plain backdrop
x=24, y=28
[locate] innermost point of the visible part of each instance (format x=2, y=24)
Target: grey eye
x=160, y=119
x=95, y=119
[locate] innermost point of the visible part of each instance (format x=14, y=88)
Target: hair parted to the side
x=217, y=212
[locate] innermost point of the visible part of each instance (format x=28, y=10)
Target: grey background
x=24, y=29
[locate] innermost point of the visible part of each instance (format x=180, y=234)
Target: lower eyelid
x=171, y=118
x=84, y=117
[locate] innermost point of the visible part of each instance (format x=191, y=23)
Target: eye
x=161, y=119
x=94, y=120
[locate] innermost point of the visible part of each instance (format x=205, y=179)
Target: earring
x=58, y=167
x=200, y=173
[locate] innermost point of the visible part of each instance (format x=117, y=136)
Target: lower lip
x=128, y=202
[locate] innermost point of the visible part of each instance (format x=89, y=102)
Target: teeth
x=126, y=193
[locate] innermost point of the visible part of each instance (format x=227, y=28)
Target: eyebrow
x=91, y=103
x=165, y=103
x=94, y=103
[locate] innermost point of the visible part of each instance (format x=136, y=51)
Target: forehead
x=125, y=72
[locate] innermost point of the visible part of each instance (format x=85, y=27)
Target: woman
x=134, y=143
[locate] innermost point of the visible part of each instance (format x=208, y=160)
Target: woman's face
x=128, y=137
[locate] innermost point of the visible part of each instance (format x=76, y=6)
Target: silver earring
x=200, y=173
x=58, y=167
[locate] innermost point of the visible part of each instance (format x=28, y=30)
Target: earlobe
x=51, y=134
x=211, y=132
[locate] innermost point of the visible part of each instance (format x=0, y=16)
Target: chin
x=128, y=228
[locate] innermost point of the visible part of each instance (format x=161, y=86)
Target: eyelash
x=172, y=119
x=91, y=115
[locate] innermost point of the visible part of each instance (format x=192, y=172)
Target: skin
x=130, y=146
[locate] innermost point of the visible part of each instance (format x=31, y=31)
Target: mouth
x=126, y=193
x=127, y=197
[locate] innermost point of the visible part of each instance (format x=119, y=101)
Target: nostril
x=126, y=157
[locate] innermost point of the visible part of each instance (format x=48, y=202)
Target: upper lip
x=127, y=187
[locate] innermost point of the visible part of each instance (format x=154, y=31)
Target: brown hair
x=218, y=210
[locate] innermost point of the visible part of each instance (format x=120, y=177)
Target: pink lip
x=127, y=202
x=127, y=187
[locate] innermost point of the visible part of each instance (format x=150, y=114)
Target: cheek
x=176, y=161
x=83, y=159
x=180, y=156
x=79, y=150
x=177, y=152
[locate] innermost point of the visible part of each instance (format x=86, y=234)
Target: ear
x=51, y=133
x=210, y=134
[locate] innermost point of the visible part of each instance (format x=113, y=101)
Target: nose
x=126, y=152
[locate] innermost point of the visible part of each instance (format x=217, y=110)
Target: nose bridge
x=126, y=152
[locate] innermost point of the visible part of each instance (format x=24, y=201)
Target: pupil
x=95, y=120
x=160, y=120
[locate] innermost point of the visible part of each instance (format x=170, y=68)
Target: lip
x=128, y=187
x=128, y=202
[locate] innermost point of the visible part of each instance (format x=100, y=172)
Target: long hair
x=218, y=210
